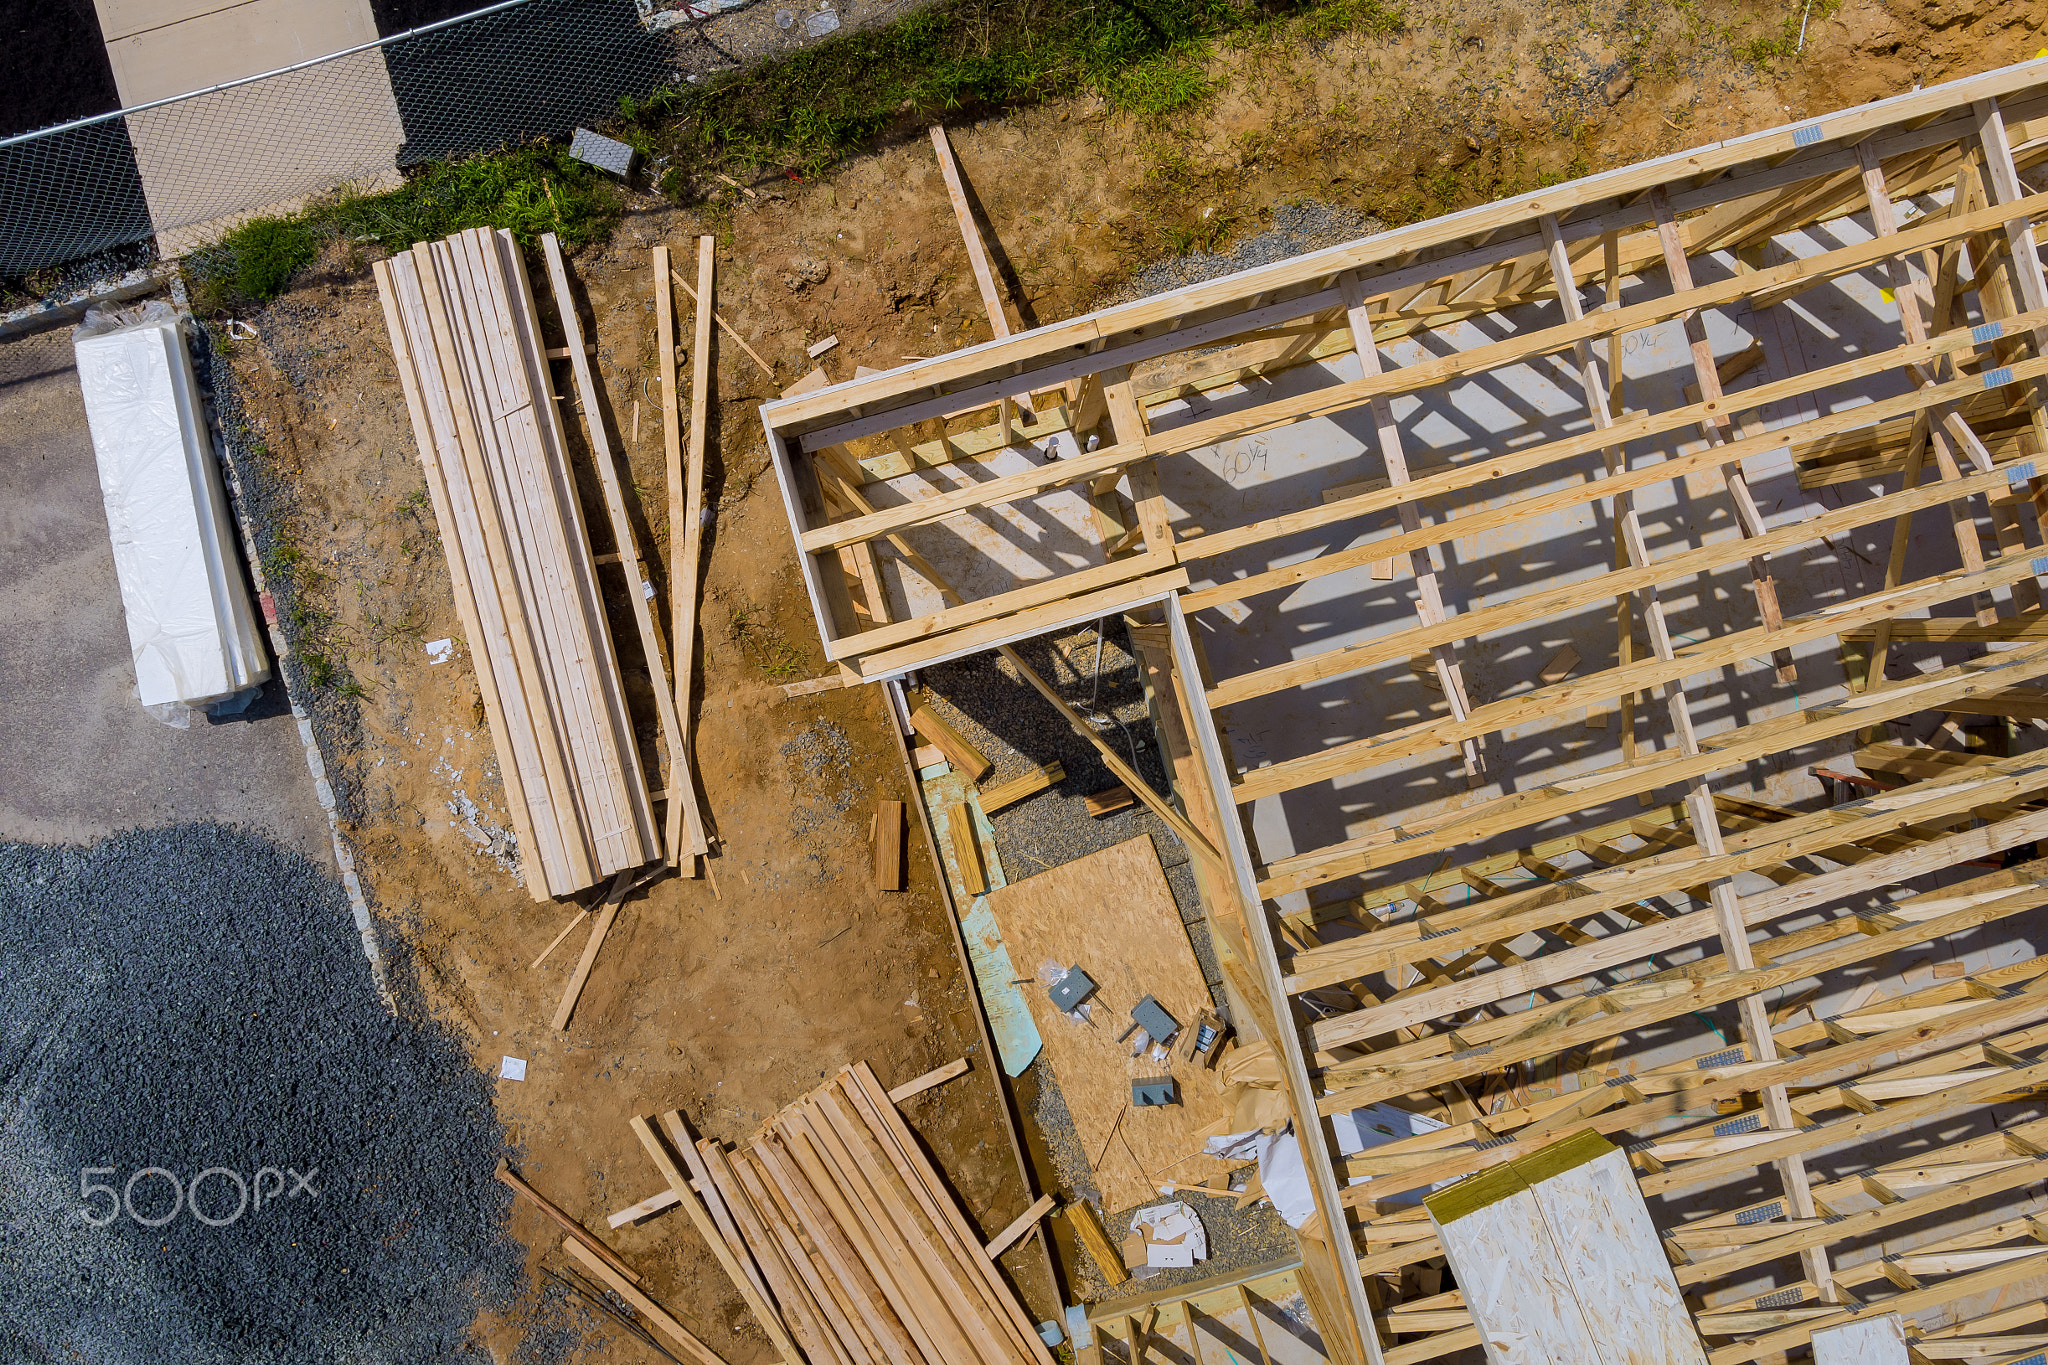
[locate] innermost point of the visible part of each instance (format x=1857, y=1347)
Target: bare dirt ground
x=729, y=1002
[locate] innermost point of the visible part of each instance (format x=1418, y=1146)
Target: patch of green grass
x=1782, y=44
x=267, y=252
x=281, y=559
x=1332, y=18
x=965, y=58
x=1163, y=84
x=527, y=190
x=1209, y=234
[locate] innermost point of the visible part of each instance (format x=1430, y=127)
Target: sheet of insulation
x=191, y=625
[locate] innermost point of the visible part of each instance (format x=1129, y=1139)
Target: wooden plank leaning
x=680, y=779
x=763, y=1311
x=687, y=564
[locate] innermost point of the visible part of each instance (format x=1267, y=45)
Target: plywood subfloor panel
x=1113, y=915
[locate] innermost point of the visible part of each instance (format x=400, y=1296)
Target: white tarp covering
x=191, y=626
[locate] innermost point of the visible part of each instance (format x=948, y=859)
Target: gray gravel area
x=1302, y=226
x=191, y=999
x=822, y=790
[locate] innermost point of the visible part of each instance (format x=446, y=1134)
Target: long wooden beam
x=1597, y=892
x=1400, y=843
x=1655, y=1002
x=1286, y=1029
x=1358, y=755
x=1345, y=658
x=1483, y=468
x=1922, y=118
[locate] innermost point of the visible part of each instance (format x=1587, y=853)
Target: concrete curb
x=41, y=317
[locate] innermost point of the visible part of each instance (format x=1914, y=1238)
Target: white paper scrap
x=440, y=651
x=1173, y=1233
x=1176, y=1257
x=514, y=1069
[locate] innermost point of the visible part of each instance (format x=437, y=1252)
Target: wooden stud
x=573, y=992
x=935, y=1077
x=680, y=780
x=1110, y=800
x=937, y=731
x=1023, y=1224
x=966, y=849
x=1010, y=793
x=1087, y=1225
x=576, y=1230
x=890, y=831
x=642, y=1305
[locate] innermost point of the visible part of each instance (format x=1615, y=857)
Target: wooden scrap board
x=1111, y=913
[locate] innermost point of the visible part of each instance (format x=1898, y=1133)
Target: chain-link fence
x=519, y=70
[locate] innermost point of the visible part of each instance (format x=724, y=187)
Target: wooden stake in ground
x=564, y=1221
x=686, y=501
x=621, y=884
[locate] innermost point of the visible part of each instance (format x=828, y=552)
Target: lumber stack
x=841, y=1230
x=469, y=354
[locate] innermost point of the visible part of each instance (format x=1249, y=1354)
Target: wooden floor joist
x=1521, y=958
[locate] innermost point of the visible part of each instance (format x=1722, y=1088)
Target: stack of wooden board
x=836, y=1227
x=469, y=354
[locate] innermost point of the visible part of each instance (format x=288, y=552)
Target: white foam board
x=191, y=625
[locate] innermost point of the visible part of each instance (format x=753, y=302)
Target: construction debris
x=607, y=154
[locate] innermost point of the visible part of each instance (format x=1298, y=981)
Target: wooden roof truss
x=1407, y=992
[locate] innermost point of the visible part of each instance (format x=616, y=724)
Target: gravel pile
x=822, y=785
x=1303, y=226
x=194, y=999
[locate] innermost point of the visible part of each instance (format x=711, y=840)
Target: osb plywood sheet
x=1112, y=914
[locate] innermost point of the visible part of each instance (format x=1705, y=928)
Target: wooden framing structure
x=1588, y=922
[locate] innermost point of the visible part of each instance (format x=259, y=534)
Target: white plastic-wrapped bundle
x=191, y=625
